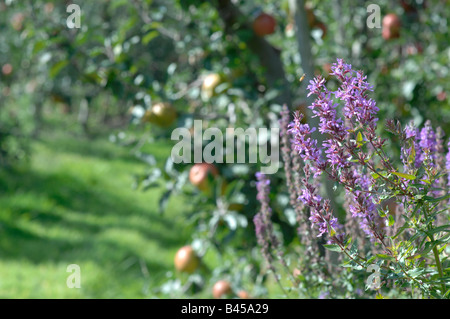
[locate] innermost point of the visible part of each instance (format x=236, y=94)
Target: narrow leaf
x=412, y=154
x=437, y=199
x=56, y=68
x=391, y=221
x=332, y=247
x=403, y=175
x=386, y=257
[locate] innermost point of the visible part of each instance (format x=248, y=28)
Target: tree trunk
x=83, y=114
x=38, y=104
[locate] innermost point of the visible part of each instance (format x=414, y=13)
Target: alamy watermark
x=374, y=19
x=74, y=19
x=74, y=279
x=374, y=280
x=259, y=142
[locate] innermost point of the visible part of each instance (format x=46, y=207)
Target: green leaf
x=56, y=68
x=445, y=228
x=428, y=247
x=38, y=46
x=412, y=154
x=371, y=259
x=414, y=237
x=447, y=294
x=400, y=230
x=359, y=137
x=403, y=175
x=437, y=199
x=354, y=248
x=149, y=36
x=416, y=272
x=391, y=221
x=164, y=199
x=333, y=247
x=385, y=257
x=378, y=174
x=381, y=213
x=331, y=231
x=379, y=295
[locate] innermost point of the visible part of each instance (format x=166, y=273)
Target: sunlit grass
x=74, y=204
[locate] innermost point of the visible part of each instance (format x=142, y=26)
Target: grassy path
x=74, y=204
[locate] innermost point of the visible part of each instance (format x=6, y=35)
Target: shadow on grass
x=85, y=213
x=100, y=147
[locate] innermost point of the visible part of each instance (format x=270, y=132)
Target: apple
x=7, y=69
x=441, y=96
x=391, y=26
x=311, y=17
x=243, y=294
x=198, y=175
x=17, y=21
x=186, y=260
x=48, y=7
x=264, y=24
x=210, y=82
x=221, y=289
x=162, y=114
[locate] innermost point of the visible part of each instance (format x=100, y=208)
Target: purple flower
x=316, y=85
x=306, y=146
x=336, y=155
x=340, y=69
x=321, y=215
x=427, y=143
x=447, y=163
x=262, y=186
x=447, y=167
x=411, y=133
x=337, y=150
x=260, y=230
x=324, y=295
x=262, y=220
x=325, y=109
x=357, y=105
x=363, y=206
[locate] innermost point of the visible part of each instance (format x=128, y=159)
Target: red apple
x=391, y=26
x=198, y=175
x=221, y=289
x=186, y=260
x=264, y=24
x=7, y=69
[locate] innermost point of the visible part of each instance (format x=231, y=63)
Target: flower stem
x=435, y=251
x=439, y=267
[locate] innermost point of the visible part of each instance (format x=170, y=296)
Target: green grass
x=74, y=204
